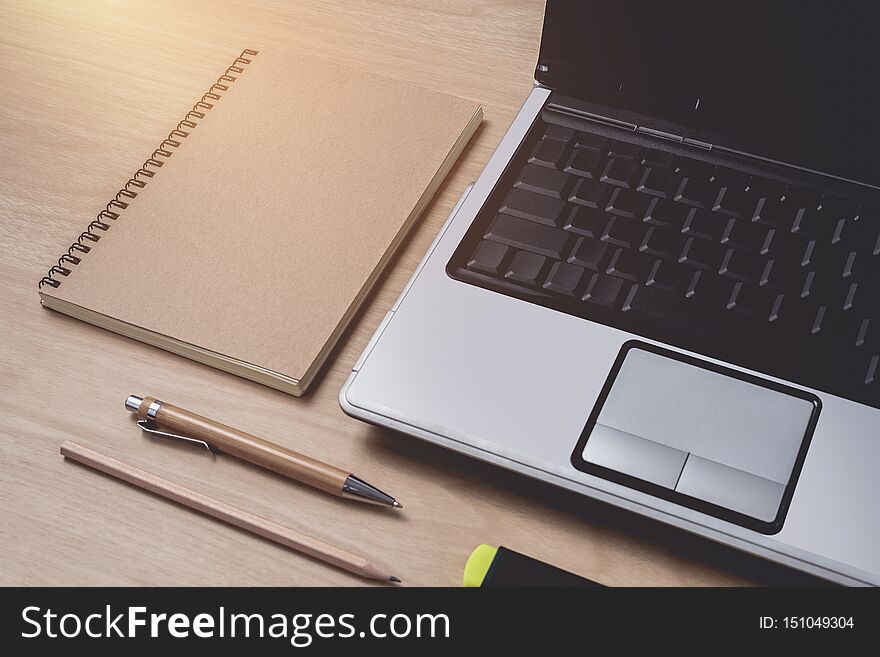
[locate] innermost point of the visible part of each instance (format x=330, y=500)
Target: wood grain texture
x=88, y=90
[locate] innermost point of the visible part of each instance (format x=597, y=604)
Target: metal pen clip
x=150, y=427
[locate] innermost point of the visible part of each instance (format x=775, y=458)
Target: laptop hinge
x=697, y=143
x=598, y=118
x=694, y=143
x=659, y=133
x=678, y=139
x=607, y=120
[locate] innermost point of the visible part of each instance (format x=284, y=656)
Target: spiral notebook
x=250, y=236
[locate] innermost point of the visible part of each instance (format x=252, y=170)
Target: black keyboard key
x=872, y=375
x=690, y=167
x=604, y=290
x=774, y=214
x=735, y=202
x=543, y=181
x=809, y=222
x=827, y=322
x=866, y=333
x=669, y=276
x=742, y=265
x=778, y=276
x=591, y=193
x=855, y=267
x=630, y=265
x=838, y=208
x=704, y=224
x=666, y=214
x=834, y=291
x=783, y=246
x=743, y=234
x=564, y=278
x=813, y=254
x=525, y=268
x=534, y=207
x=624, y=232
x=621, y=172
x=488, y=257
x=830, y=264
x=657, y=158
x=586, y=221
x=548, y=153
x=697, y=191
x=840, y=322
x=709, y=287
x=778, y=304
x=658, y=182
x=801, y=197
x=859, y=233
x=701, y=254
x=809, y=287
x=625, y=149
x=852, y=298
x=837, y=237
x=591, y=141
x=751, y=300
x=732, y=179
x=821, y=259
x=590, y=254
x=674, y=311
x=585, y=163
x=832, y=261
x=868, y=214
x=770, y=245
x=662, y=242
x=764, y=188
x=627, y=203
x=523, y=234
x=559, y=133
x=781, y=302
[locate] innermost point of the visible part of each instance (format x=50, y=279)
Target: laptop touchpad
x=705, y=436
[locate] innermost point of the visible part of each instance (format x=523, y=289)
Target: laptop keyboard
x=777, y=278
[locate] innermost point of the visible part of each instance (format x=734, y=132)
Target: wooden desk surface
x=88, y=89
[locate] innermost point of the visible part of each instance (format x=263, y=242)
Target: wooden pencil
x=286, y=536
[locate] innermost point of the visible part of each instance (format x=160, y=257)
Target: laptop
x=662, y=290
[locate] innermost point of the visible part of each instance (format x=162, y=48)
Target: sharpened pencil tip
x=394, y=579
x=396, y=504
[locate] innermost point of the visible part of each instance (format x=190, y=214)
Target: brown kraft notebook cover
x=250, y=237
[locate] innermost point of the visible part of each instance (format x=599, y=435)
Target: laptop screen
x=796, y=81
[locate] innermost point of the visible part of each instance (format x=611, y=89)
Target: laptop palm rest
x=705, y=436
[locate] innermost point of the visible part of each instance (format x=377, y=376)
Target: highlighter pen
x=500, y=567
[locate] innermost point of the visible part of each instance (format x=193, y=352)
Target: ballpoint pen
x=163, y=419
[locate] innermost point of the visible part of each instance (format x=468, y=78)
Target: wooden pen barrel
x=247, y=447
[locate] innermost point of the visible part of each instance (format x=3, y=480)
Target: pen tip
x=394, y=579
x=396, y=504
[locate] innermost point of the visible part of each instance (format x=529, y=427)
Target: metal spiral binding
x=147, y=170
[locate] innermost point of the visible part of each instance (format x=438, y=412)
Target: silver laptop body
x=537, y=391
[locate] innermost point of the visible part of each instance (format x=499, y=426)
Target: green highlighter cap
x=478, y=565
x=496, y=567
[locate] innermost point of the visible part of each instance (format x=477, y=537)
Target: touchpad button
x=705, y=432
x=635, y=456
x=731, y=488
